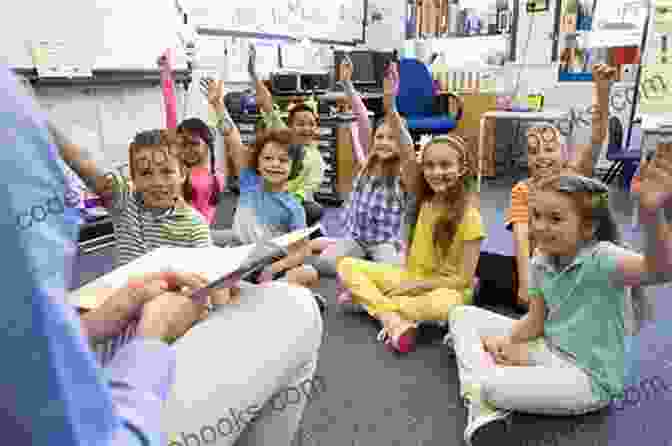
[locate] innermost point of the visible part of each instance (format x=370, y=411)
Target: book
x=223, y=267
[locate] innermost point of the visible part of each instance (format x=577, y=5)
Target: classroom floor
x=374, y=398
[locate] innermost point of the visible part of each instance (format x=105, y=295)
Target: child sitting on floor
x=566, y=356
x=155, y=211
x=547, y=152
x=303, y=120
x=198, y=154
x=266, y=209
x=374, y=214
x=445, y=245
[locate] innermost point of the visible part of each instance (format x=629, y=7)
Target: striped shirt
x=140, y=230
x=518, y=212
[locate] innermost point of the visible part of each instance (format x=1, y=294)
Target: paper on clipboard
x=213, y=262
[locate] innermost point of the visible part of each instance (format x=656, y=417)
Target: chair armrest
x=453, y=101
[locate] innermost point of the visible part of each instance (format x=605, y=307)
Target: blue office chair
x=417, y=103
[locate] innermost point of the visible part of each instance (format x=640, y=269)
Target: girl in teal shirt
x=566, y=356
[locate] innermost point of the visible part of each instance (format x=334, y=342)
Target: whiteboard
x=339, y=20
x=98, y=34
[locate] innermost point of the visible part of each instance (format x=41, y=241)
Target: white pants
x=245, y=374
x=552, y=385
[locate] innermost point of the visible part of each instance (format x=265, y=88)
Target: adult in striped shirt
x=154, y=212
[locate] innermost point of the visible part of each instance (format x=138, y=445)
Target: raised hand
x=214, y=92
x=252, y=63
x=391, y=81
x=603, y=73
x=345, y=69
x=656, y=183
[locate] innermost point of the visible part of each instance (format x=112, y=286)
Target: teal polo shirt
x=585, y=313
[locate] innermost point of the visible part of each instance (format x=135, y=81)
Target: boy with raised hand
x=303, y=120
x=548, y=152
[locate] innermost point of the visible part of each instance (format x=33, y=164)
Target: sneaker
x=486, y=426
x=449, y=343
x=321, y=302
x=345, y=302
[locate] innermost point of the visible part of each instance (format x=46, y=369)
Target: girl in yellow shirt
x=445, y=244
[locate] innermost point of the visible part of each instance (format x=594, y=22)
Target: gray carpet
x=374, y=398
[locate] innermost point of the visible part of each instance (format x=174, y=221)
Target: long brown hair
x=168, y=142
x=453, y=204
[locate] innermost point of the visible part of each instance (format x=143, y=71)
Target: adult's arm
x=53, y=392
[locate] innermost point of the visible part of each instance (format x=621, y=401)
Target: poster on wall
x=663, y=16
x=655, y=89
x=575, y=54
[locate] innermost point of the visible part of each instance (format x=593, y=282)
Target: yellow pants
x=368, y=280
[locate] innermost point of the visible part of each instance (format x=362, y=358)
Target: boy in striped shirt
x=154, y=212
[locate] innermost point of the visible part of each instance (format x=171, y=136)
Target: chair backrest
x=416, y=89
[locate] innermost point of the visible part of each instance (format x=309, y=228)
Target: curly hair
x=455, y=202
x=285, y=138
x=166, y=141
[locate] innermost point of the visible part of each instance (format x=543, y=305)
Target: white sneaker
x=486, y=426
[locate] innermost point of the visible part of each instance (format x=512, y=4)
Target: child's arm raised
x=272, y=118
x=83, y=162
x=519, y=221
x=242, y=156
x=409, y=164
x=361, y=128
x=586, y=159
x=656, y=192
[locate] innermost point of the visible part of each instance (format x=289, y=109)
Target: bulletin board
x=79, y=36
x=338, y=21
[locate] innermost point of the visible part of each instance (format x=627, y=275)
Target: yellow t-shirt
x=423, y=261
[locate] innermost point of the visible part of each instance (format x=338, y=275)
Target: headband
x=579, y=183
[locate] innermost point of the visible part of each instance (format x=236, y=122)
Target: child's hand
x=505, y=352
x=252, y=62
x=603, y=73
x=391, y=81
x=266, y=276
x=345, y=69
x=656, y=182
x=215, y=92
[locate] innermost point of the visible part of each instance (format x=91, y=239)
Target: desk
x=544, y=116
x=336, y=149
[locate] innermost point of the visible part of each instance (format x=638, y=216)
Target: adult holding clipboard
x=149, y=388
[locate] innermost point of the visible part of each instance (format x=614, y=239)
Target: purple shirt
x=53, y=391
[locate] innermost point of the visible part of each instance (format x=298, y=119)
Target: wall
x=107, y=118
